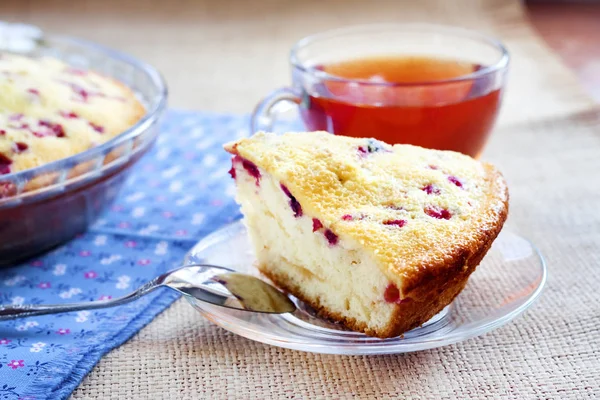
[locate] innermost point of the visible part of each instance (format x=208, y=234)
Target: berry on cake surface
x=50, y=111
x=369, y=234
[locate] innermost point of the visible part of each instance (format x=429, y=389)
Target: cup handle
x=264, y=116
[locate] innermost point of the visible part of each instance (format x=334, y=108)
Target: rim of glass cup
x=501, y=64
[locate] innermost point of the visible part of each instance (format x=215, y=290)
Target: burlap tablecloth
x=223, y=55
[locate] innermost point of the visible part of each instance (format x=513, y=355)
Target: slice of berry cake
x=377, y=237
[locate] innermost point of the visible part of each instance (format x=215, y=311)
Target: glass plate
x=507, y=282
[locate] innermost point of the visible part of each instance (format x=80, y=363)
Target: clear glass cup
x=455, y=113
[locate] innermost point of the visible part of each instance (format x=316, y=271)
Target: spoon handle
x=30, y=310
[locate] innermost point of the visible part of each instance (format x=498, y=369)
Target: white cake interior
x=342, y=277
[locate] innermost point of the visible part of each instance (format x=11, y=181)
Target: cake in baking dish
x=379, y=238
x=50, y=111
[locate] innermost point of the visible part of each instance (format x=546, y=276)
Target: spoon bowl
x=227, y=288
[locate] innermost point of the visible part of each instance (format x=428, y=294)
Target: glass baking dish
x=45, y=206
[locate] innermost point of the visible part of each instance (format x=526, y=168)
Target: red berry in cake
x=437, y=212
x=331, y=237
x=316, y=224
x=52, y=129
x=395, y=222
x=81, y=92
x=431, y=189
x=285, y=190
x=4, y=164
x=355, y=217
x=2, y=132
x=33, y=91
x=20, y=147
x=294, y=204
x=391, y=294
x=455, y=180
x=232, y=171
x=296, y=208
x=251, y=168
x=96, y=127
x=68, y=114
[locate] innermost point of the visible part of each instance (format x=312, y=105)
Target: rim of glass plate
x=149, y=118
x=501, y=64
x=484, y=325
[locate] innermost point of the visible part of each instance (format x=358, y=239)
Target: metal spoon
x=202, y=282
